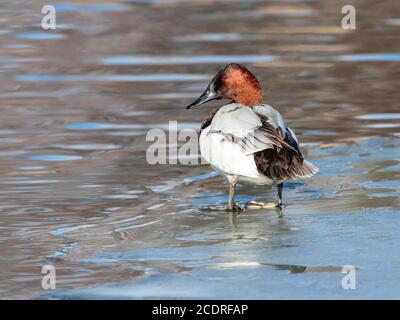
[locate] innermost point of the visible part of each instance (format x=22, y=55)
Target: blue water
x=55, y=157
x=379, y=116
x=113, y=77
x=45, y=35
x=89, y=7
x=177, y=60
x=88, y=126
x=384, y=57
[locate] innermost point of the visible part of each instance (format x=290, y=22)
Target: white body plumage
x=228, y=144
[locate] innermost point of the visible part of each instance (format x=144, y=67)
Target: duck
x=246, y=140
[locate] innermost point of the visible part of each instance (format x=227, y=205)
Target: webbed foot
x=254, y=205
x=234, y=208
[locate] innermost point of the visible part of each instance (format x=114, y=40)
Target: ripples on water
x=77, y=192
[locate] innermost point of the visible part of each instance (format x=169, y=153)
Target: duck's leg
x=232, y=188
x=268, y=205
x=231, y=200
x=232, y=206
x=279, y=196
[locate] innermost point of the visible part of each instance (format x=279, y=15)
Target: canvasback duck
x=248, y=141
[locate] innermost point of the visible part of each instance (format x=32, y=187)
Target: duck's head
x=234, y=82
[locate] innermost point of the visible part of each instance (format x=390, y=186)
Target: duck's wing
x=241, y=125
x=286, y=162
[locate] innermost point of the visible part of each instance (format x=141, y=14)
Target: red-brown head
x=233, y=82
